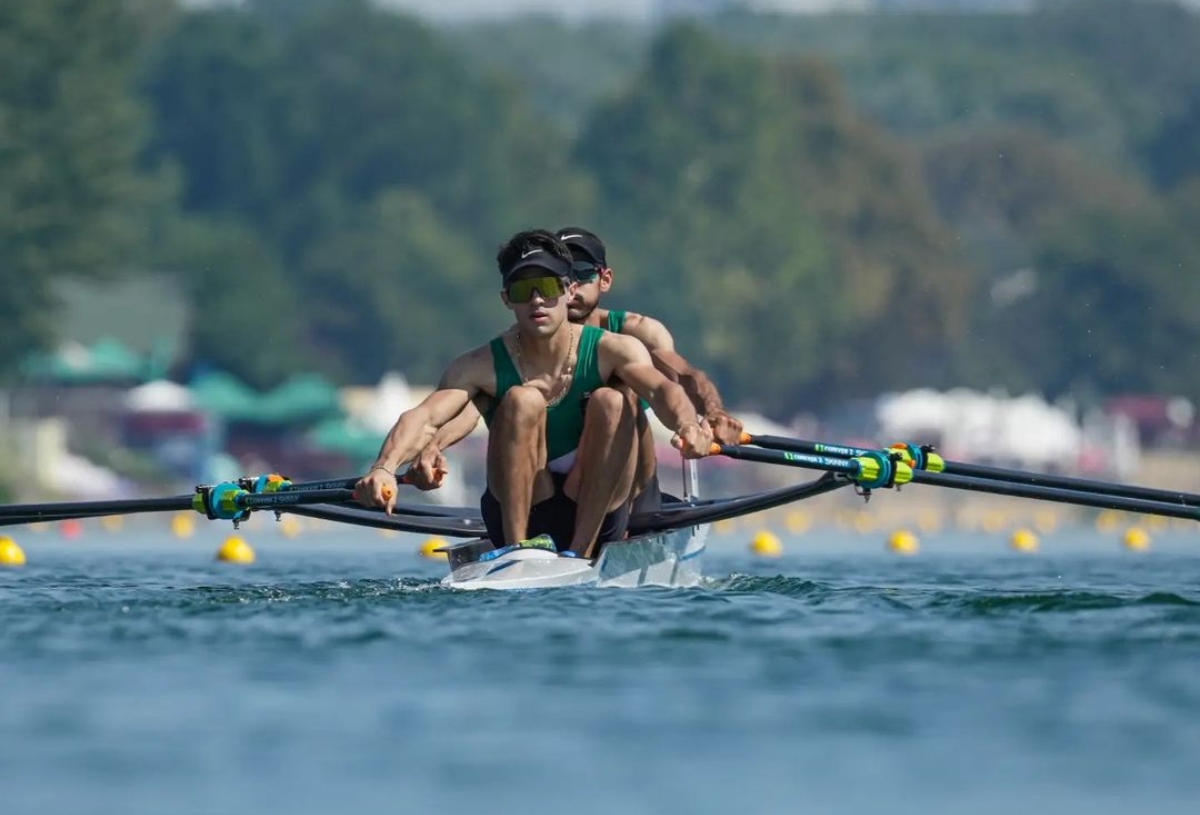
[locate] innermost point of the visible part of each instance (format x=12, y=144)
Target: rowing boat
x=670, y=557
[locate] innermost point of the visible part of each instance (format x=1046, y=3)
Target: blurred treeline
x=819, y=208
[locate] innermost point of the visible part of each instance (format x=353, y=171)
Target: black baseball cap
x=536, y=257
x=584, y=245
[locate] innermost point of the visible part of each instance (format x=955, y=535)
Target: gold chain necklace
x=564, y=377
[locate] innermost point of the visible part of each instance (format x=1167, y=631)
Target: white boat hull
x=671, y=558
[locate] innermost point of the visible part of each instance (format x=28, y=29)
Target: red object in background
x=155, y=424
x=1160, y=420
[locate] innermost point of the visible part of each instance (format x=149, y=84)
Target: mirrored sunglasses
x=584, y=271
x=548, y=286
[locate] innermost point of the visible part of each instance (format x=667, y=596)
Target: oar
x=934, y=463
x=340, y=489
x=225, y=500
x=850, y=468
x=872, y=470
x=71, y=510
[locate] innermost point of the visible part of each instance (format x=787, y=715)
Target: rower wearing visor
x=562, y=445
x=593, y=278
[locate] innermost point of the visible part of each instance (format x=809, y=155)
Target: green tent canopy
x=306, y=397
x=303, y=398
x=347, y=437
x=108, y=360
x=225, y=397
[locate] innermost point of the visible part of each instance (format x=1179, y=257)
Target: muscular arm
x=427, y=470
x=628, y=360
x=699, y=388
x=417, y=427
x=457, y=429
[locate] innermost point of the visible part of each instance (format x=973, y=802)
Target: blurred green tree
x=70, y=132
x=772, y=220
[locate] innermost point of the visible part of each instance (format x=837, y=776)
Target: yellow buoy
x=235, y=550
x=1045, y=521
x=1136, y=539
x=430, y=546
x=388, y=533
x=112, y=523
x=965, y=520
x=290, y=526
x=993, y=521
x=1156, y=522
x=903, y=542
x=797, y=522
x=1024, y=540
x=765, y=544
x=929, y=521
x=724, y=526
x=182, y=525
x=11, y=554
x=864, y=522
x=1108, y=520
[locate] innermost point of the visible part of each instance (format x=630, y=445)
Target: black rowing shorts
x=554, y=517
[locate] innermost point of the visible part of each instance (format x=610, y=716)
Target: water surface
x=335, y=674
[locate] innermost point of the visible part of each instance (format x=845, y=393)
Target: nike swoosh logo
x=529, y=252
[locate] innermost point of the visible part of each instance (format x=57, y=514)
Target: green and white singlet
x=614, y=322
x=564, y=421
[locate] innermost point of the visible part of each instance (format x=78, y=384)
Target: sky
x=459, y=9
x=451, y=10
x=447, y=10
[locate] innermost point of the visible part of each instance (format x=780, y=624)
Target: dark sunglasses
x=584, y=271
x=548, y=286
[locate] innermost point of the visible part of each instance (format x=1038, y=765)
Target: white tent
x=159, y=396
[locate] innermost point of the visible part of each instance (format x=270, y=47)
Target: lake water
x=335, y=675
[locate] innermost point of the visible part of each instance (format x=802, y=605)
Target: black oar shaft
x=1056, y=494
x=808, y=461
x=31, y=513
x=997, y=473
x=70, y=510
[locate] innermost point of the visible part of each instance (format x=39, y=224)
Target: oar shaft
x=803, y=446
x=267, y=500
x=31, y=513
x=1056, y=494
x=808, y=461
x=850, y=468
x=1182, y=499
x=870, y=471
x=995, y=473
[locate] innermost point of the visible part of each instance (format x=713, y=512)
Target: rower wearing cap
x=561, y=453
x=593, y=279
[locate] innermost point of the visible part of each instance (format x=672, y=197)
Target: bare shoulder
x=472, y=371
x=623, y=347
x=651, y=332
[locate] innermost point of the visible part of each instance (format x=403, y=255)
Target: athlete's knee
x=523, y=404
x=610, y=402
